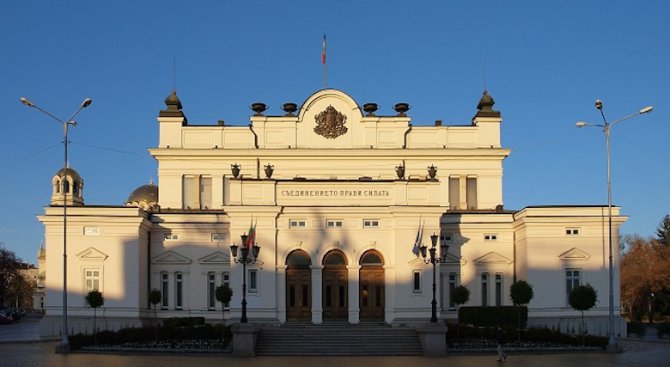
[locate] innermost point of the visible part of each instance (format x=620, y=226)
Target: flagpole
x=323, y=62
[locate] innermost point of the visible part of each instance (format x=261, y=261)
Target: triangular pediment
x=216, y=258
x=492, y=258
x=92, y=253
x=169, y=258
x=574, y=254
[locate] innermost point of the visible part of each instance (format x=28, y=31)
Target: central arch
x=298, y=286
x=335, y=286
x=372, y=286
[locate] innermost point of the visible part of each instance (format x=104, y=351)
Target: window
x=445, y=238
x=572, y=231
x=296, y=223
x=211, y=291
x=499, y=289
x=226, y=281
x=490, y=237
x=253, y=281
x=91, y=231
x=471, y=192
x=452, y=286
x=196, y=192
x=485, y=289
x=416, y=280
x=92, y=279
x=164, y=290
x=572, y=281
x=333, y=223
x=454, y=192
x=178, y=290
x=370, y=223
x=218, y=237
x=171, y=236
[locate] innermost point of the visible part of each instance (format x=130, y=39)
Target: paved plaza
x=27, y=351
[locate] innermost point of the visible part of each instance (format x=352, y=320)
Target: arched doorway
x=298, y=286
x=335, y=290
x=372, y=287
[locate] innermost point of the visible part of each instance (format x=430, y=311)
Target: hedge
x=498, y=316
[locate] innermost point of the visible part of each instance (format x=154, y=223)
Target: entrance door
x=372, y=290
x=298, y=287
x=335, y=298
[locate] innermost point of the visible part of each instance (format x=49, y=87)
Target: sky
x=544, y=63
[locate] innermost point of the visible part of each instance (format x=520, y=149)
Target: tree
x=223, y=294
x=521, y=293
x=9, y=274
x=460, y=295
x=663, y=230
x=154, y=299
x=583, y=298
x=95, y=299
x=645, y=277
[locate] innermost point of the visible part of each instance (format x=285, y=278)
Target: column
x=317, y=285
x=281, y=293
x=390, y=285
x=354, y=303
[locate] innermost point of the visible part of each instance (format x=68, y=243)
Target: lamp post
x=607, y=127
x=245, y=259
x=434, y=259
x=65, y=342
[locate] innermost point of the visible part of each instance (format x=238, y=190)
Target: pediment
x=170, y=258
x=215, y=258
x=574, y=254
x=92, y=253
x=492, y=258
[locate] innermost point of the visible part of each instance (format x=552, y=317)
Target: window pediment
x=92, y=253
x=492, y=258
x=170, y=258
x=215, y=258
x=575, y=254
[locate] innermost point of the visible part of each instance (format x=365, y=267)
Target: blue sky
x=546, y=62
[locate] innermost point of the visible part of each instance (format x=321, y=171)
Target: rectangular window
x=333, y=223
x=216, y=237
x=171, y=236
x=178, y=290
x=572, y=231
x=370, y=223
x=490, y=237
x=211, y=291
x=416, y=279
x=205, y=192
x=452, y=286
x=471, y=192
x=91, y=231
x=189, y=192
x=454, y=192
x=499, y=289
x=226, y=281
x=485, y=289
x=164, y=290
x=572, y=280
x=296, y=223
x=253, y=280
x=92, y=279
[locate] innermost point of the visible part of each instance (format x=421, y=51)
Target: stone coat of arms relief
x=330, y=123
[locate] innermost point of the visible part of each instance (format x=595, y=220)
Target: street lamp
x=244, y=259
x=434, y=259
x=65, y=342
x=611, y=344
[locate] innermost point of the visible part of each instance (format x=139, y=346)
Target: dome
x=172, y=101
x=71, y=172
x=486, y=102
x=145, y=197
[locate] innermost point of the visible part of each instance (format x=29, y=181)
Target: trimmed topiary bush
x=498, y=316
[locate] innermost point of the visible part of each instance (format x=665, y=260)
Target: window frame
x=371, y=223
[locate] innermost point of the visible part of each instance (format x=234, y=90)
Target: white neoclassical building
x=337, y=194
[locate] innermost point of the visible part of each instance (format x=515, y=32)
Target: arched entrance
x=372, y=287
x=335, y=290
x=298, y=286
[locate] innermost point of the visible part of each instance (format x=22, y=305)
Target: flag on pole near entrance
x=323, y=51
x=251, y=240
x=418, y=240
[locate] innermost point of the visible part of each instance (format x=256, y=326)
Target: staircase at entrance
x=337, y=339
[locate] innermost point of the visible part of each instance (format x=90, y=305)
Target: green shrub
x=496, y=316
x=635, y=327
x=183, y=321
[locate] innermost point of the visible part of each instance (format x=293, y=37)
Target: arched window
x=66, y=185
x=298, y=259
x=372, y=258
x=334, y=257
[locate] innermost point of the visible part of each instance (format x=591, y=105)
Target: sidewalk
x=25, y=330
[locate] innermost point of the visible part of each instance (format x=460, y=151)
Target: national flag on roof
x=251, y=239
x=419, y=238
x=323, y=51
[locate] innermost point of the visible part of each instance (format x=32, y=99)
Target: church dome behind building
x=145, y=197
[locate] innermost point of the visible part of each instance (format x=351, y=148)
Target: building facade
x=337, y=196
